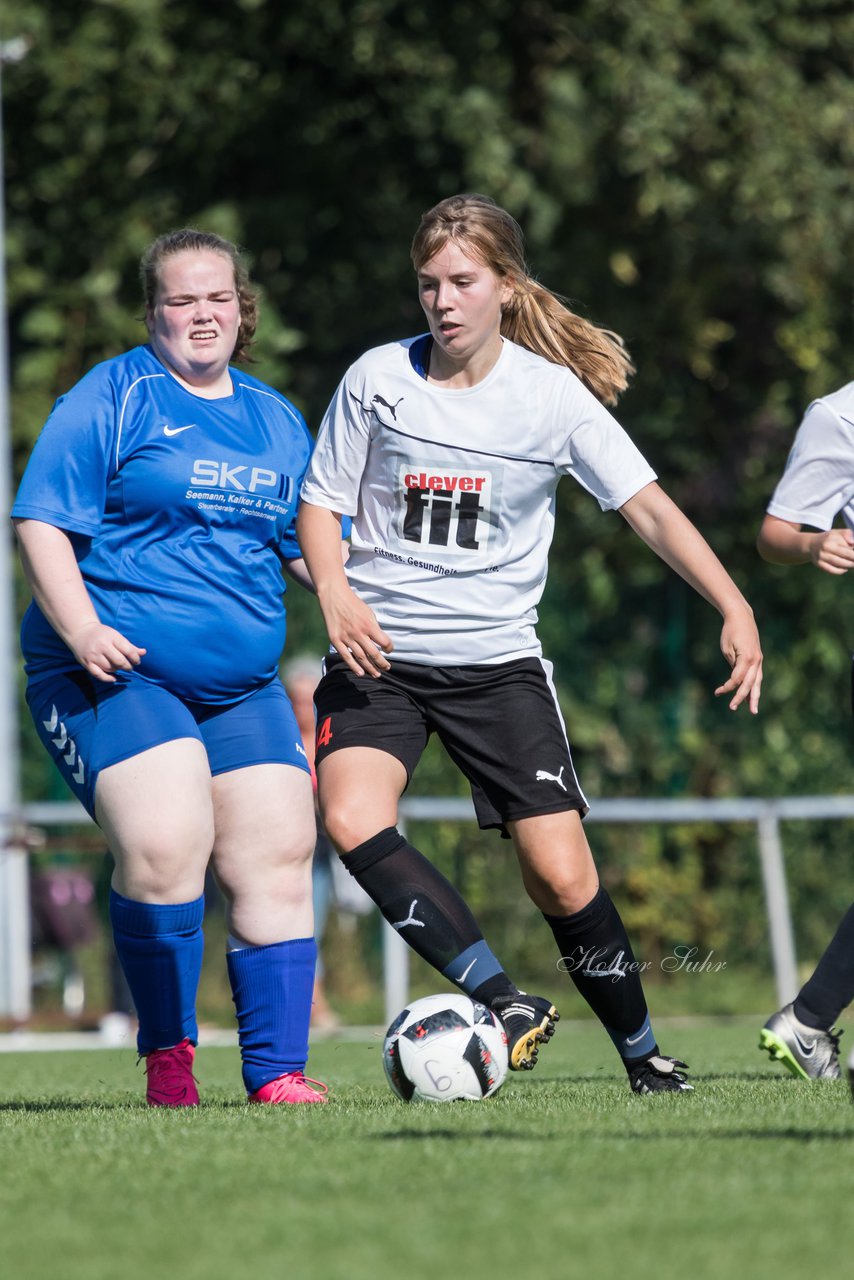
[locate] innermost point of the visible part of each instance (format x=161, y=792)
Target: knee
x=348, y=823
x=562, y=894
x=265, y=891
x=156, y=873
x=298, y=853
x=280, y=869
x=291, y=846
x=163, y=858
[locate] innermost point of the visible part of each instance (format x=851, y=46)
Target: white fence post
x=395, y=965
x=777, y=904
x=15, y=967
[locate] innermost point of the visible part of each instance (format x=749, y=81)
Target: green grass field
x=564, y=1173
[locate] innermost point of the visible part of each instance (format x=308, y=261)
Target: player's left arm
x=659, y=522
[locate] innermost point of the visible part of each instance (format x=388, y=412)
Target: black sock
x=428, y=913
x=596, y=953
x=831, y=987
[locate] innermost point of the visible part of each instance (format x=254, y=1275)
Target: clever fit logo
x=446, y=508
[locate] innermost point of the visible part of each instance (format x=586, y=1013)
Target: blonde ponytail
x=535, y=317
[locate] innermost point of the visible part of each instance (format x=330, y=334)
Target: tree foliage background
x=682, y=169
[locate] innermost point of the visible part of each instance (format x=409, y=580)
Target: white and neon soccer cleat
x=808, y=1053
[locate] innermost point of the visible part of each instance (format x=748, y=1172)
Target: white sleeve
x=818, y=480
x=590, y=445
x=335, y=472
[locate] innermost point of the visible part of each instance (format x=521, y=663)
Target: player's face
x=195, y=316
x=462, y=300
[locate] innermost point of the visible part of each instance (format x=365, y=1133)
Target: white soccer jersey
x=452, y=494
x=818, y=482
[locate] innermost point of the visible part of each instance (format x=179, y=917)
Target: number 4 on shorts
x=324, y=733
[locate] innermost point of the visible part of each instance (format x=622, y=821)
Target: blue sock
x=272, y=988
x=160, y=950
x=473, y=968
x=637, y=1046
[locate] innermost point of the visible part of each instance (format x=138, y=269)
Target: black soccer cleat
x=658, y=1075
x=529, y=1022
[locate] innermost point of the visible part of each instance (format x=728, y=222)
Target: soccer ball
x=443, y=1048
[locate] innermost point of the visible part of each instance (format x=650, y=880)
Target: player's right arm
x=784, y=542
x=351, y=625
x=60, y=592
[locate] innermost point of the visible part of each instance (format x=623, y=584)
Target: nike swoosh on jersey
x=176, y=431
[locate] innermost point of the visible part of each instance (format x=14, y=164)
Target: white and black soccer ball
x=443, y=1048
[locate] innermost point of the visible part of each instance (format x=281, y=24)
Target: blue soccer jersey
x=179, y=508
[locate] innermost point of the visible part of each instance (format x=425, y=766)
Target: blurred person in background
x=118, y=1024
x=447, y=449
x=300, y=676
x=154, y=518
x=817, y=485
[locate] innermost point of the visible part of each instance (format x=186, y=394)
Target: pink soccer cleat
x=293, y=1086
x=170, y=1077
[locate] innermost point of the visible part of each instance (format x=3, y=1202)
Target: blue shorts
x=87, y=725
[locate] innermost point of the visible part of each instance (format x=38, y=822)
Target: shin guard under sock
x=428, y=913
x=272, y=989
x=160, y=950
x=596, y=953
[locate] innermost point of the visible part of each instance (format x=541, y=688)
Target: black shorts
x=500, y=724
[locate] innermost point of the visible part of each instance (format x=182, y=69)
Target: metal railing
x=766, y=815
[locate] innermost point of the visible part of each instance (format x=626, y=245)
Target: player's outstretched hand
x=833, y=551
x=355, y=633
x=101, y=650
x=741, y=647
